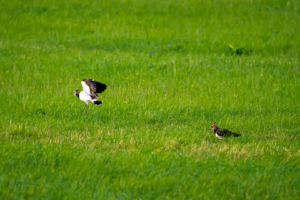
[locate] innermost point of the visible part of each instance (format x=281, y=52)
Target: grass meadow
x=172, y=69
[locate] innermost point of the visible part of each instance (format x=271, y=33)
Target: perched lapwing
x=90, y=88
x=220, y=133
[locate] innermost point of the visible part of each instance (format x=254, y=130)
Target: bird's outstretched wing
x=92, y=86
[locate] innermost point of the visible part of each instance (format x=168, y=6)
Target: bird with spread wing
x=89, y=92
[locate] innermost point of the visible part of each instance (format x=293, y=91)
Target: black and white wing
x=93, y=87
x=85, y=87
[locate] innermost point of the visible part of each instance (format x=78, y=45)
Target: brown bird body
x=220, y=133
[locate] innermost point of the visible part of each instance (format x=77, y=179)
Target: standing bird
x=220, y=133
x=90, y=88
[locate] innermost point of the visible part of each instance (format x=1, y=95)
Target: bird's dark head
x=76, y=93
x=214, y=126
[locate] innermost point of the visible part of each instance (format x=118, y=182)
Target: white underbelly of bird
x=84, y=96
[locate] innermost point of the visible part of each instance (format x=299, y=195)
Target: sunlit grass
x=172, y=69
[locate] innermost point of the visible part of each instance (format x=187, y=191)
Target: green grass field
x=172, y=69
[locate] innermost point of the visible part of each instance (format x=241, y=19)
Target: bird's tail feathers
x=235, y=134
x=96, y=102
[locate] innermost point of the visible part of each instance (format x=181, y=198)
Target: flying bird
x=220, y=133
x=90, y=88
